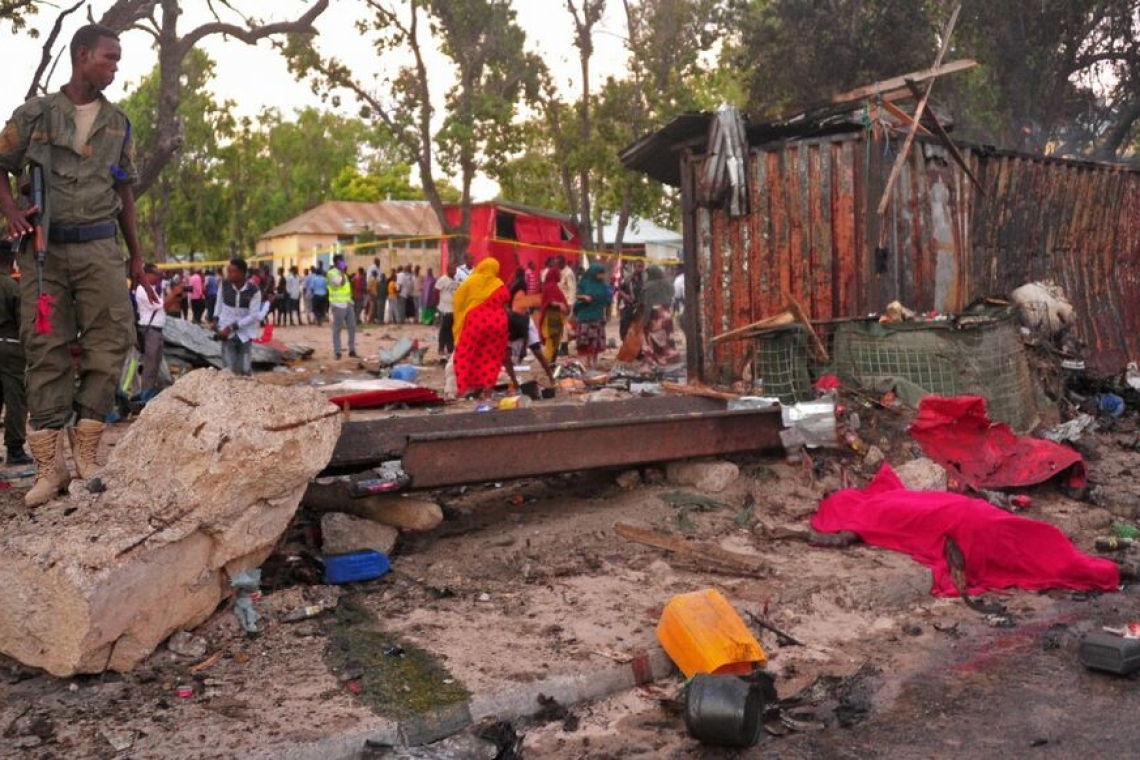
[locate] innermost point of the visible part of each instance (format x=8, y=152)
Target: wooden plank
x=889, y=86
x=946, y=35
x=940, y=132
x=904, y=118
x=706, y=552
x=844, y=227
x=779, y=320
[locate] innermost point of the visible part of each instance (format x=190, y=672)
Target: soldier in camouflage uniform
x=83, y=142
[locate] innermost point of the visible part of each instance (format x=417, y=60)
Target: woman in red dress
x=480, y=329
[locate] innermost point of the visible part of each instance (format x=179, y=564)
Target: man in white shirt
x=679, y=292
x=238, y=318
x=152, y=318
x=463, y=271
x=403, y=292
x=447, y=285
x=293, y=297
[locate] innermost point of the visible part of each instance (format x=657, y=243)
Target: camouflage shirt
x=82, y=186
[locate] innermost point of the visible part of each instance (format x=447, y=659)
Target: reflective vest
x=342, y=293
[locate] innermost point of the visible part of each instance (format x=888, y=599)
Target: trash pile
x=190, y=346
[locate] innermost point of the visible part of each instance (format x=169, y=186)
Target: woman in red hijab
x=552, y=314
x=480, y=329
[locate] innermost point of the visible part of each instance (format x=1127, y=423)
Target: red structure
x=516, y=235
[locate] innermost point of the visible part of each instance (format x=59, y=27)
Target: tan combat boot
x=85, y=438
x=52, y=476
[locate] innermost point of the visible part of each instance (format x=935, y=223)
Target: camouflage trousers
x=92, y=309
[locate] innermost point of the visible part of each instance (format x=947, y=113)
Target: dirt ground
x=527, y=580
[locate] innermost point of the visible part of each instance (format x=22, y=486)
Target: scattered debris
x=783, y=639
x=248, y=585
x=957, y=433
x=551, y=711
x=186, y=644
x=710, y=555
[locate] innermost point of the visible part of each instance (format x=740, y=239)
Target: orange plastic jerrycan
x=703, y=633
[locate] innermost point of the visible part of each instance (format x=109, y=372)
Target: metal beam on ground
x=459, y=449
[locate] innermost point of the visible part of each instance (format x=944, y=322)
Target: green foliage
x=1059, y=76
x=234, y=178
x=492, y=74
x=17, y=12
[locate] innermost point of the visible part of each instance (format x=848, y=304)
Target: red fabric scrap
x=44, y=308
x=266, y=335
x=1001, y=550
x=957, y=434
x=377, y=398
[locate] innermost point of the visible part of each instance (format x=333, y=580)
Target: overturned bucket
x=725, y=711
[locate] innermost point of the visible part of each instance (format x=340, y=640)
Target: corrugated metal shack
x=811, y=230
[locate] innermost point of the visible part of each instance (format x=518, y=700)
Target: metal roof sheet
x=385, y=218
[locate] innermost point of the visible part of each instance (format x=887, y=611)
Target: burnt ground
x=528, y=580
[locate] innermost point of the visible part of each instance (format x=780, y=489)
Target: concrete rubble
x=343, y=534
x=713, y=477
x=202, y=486
x=922, y=475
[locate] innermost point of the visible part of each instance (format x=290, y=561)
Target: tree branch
x=250, y=35
x=126, y=13
x=46, y=55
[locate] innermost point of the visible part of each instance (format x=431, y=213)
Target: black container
x=530, y=390
x=1114, y=654
x=726, y=711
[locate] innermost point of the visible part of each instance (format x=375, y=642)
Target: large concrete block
x=202, y=485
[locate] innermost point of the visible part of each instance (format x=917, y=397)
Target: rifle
x=38, y=196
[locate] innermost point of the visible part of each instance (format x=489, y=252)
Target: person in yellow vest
x=340, y=301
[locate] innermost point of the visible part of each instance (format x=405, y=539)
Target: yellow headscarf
x=476, y=289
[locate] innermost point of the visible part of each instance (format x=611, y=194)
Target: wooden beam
x=947, y=141
x=804, y=319
x=783, y=319
x=904, y=118
x=896, y=170
x=887, y=89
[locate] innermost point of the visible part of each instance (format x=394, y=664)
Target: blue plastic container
x=357, y=566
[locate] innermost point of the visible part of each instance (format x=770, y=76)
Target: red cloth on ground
x=482, y=344
x=957, y=434
x=1001, y=550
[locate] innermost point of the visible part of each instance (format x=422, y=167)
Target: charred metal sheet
x=812, y=233
x=471, y=448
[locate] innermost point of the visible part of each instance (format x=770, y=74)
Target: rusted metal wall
x=812, y=232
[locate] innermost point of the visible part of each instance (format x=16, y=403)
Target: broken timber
x=458, y=449
x=705, y=552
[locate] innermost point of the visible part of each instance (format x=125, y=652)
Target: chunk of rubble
x=710, y=477
x=344, y=534
x=201, y=487
x=922, y=475
x=628, y=480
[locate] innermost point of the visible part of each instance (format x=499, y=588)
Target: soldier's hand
x=18, y=224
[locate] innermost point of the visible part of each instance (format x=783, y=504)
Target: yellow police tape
x=401, y=242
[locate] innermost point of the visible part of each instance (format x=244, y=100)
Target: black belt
x=84, y=233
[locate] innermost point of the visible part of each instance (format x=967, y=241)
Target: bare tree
x=586, y=17
x=159, y=19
